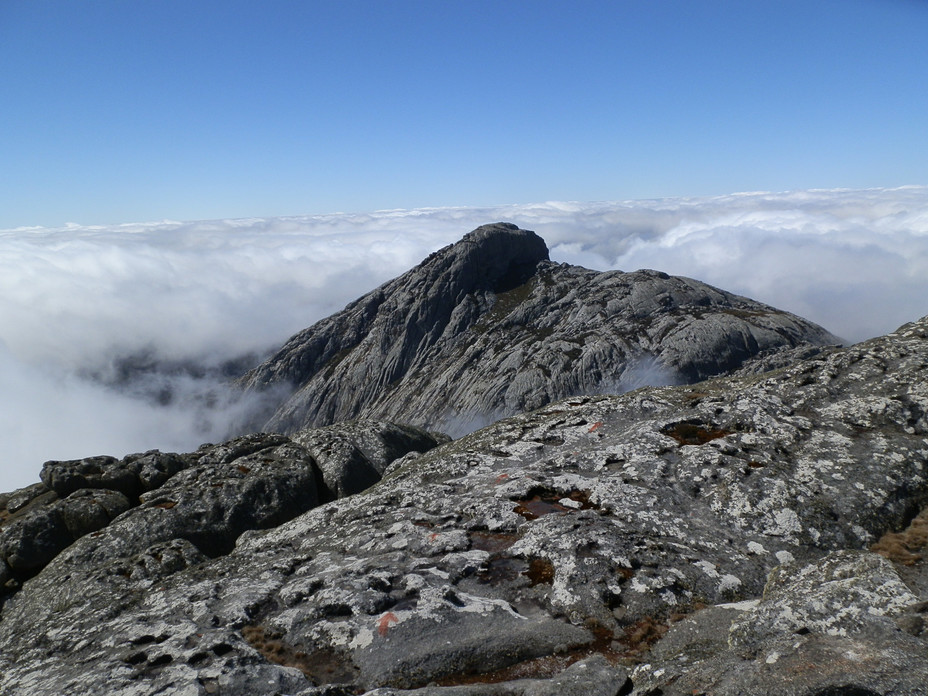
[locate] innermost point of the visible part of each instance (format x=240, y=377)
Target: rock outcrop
x=488, y=328
x=208, y=497
x=846, y=624
x=710, y=538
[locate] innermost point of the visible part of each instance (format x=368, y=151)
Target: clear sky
x=117, y=111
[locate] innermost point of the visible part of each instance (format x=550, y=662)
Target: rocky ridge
x=208, y=497
x=759, y=532
x=710, y=538
x=489, y=327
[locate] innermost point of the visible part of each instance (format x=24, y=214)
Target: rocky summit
x=759, y=532
x=489, y=327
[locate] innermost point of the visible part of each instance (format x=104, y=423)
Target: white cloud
x=48, y=414
x=73, y=299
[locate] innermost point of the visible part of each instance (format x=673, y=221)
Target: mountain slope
x=559, y=545
x=488, y=327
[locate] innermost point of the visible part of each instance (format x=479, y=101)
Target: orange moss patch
x=540, y=572
x=320, y=666
x=641, y=635
x=901, y=547
x=494, y=542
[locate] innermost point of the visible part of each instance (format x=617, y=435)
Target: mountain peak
x=495, y=257
x=489, y=327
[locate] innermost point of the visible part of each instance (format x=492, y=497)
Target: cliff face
x=755, y=533
x=489, y=327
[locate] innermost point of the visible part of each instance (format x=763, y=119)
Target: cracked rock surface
x=208, y=497
x=710, y=538
x=847, y=624
x=488, y=328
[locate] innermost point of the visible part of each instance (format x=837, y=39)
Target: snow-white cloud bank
x=76, y=300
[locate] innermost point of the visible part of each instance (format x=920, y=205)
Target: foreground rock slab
x=846, y=624
x=578, y=534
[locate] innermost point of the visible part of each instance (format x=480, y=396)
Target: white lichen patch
x=729, y=583
x=336, y=633
x=363, y=639
x=668, y=598
x=866, y=412
x=783, y=523
x=708, y=568
x=745, y=605
x=833, y=597
x=562, y=593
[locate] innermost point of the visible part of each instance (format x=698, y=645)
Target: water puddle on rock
x=492, y=542
x=545, y=502
x=693, y=432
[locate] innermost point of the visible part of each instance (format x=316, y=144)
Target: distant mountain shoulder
x=490, y=327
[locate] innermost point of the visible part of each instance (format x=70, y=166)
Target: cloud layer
x=78, y=300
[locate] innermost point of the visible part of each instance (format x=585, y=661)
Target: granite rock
x=353, y=456
x=489, y=327
x=588, y=532
x=835, y=626
x=208, y=497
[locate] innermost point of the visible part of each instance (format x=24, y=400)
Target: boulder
x=130, y=476
x=593, y=676
x=250, y=482
x=36, y=533
x=845, y=624
x=353, y=456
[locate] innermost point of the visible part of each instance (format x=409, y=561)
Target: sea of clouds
x=113, y=339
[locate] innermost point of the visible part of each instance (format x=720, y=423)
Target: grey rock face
x=207, y=498
x=834, y=626
x=353, y=456
x=573, y=535
x=488, y=328
x=590, y=677
x=131, y=475
x=35, y=533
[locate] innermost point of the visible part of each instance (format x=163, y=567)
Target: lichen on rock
x=677, y=539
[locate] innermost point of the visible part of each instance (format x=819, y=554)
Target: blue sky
x=119, y=111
